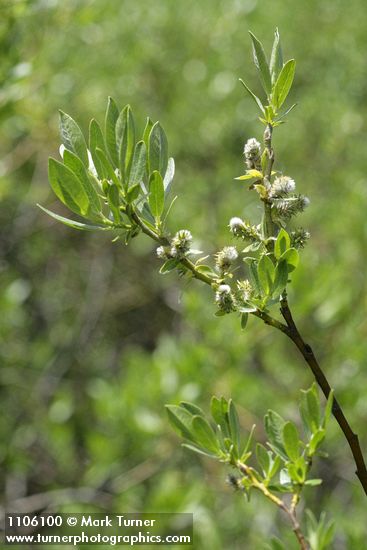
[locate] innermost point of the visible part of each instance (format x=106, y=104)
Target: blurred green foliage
x=93, y=341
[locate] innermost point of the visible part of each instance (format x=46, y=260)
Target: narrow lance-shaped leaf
x=156, y=195
x=263, y=458
x=218, y=409
x=158, y=150
x=314, y=409
x=112, y=114
x=107, y=167
x=234, y=425
x=113, y=201
x=125, y=140
x=254, y=97
x=96, y=140
x=286, y=112
x=72, y=137
x=169, y=266
x=316, y=439
x=77, y=167
x=282, y=243
x=67, y=187
x=276, y=58
x=204, y=435
x=147, y=130
x=303, y=409
x=283, y=83
x=253, y=275
x=261, y=63
x=133, y=193
x=266, y=274
x=291, y=440
x=181, y=419
x=168, y=176
x=274, y=428
x=192, y=408
x=138, y=167
x=281, y=277
x=74, y=224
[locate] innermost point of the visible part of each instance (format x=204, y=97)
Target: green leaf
x=125, y=141
x=206, y=270
x=274, y=428
x=303, y=408
x=218, y=412
x=147, y=216
x=277, y=462
x=281, y=277
x=181, y=419
x=133, y=193
x=77, y=167
x=67, y=187
x=169, y=265
x=107, y=167
x=316, y=439
x=156, y=194
x=314, y=409
x=138, y=167
x=147, y=130
x=250, y=174
x=244, y=319
x=276, y=58
x=282, y=244
x=291, y=256
x=254, y=97
x=313, y=482
x=204, y=435
x=192, y=408
x=246, y=453
x=266, y=274
x=234, y=425
x=328, y=533
x=114, y=202
x=291, y=440
x=284, y=478
x=320, y=533
x=168, y=176
x=297, y=474
x=157, y=150
x=199, y=451
x=283, y=83
x=96, y=140
x=72, y=223
x=263, y=458
x=286, y=112
x=112, y=114
x=72, y=137
x=261, y=63
x=253, y=275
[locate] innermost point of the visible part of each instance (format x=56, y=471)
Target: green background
x=94, y=341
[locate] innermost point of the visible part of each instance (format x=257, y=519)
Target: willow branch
x=164, y=241
x=309, y=357
x=291, y=512
x=290, y=329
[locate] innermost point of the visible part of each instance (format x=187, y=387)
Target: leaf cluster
x=276, y=78
x=282, y=464
x=115, y=175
